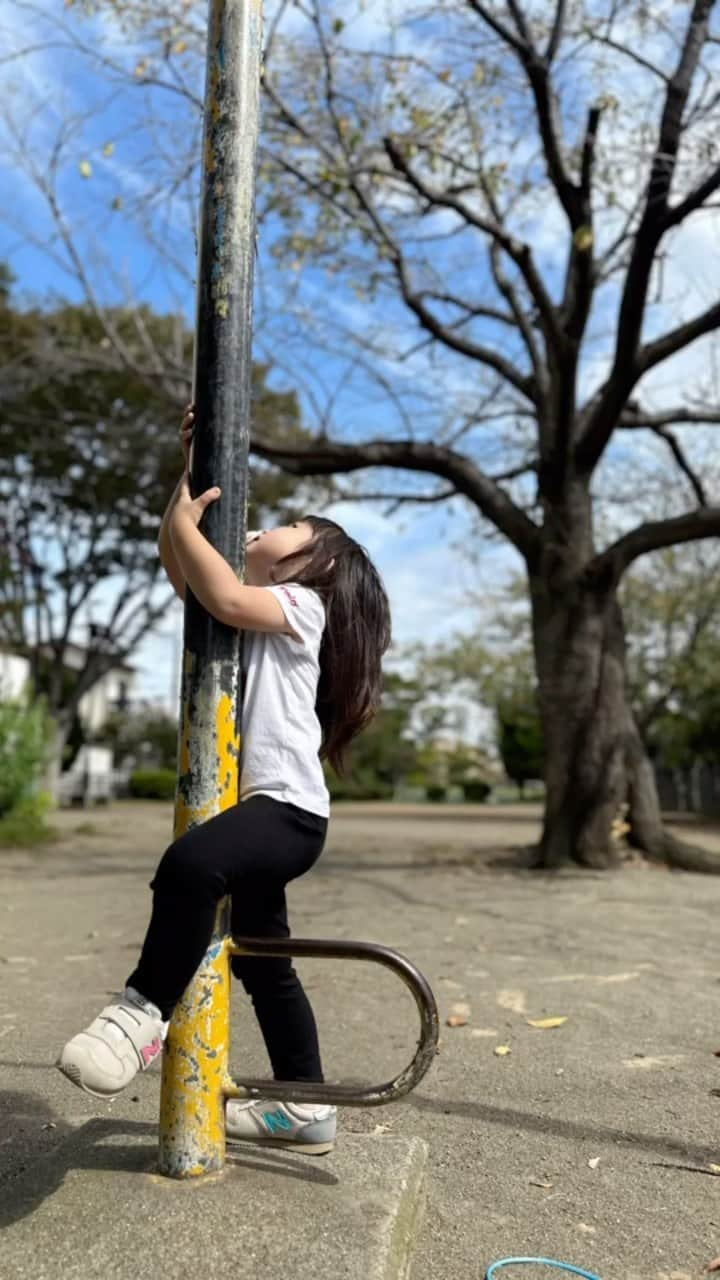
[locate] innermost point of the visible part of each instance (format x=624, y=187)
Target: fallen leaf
x=502, y=1050
x=51, y=1124
x=714, y=1168
x=545, y=1024
x=714, y=1265
x=484, y=1032
x=462, y=1008
x=456, y=1020
x=381, y=1128
x=534, y=1182
x=594, y=1162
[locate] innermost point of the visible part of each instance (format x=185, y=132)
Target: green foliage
x=520, y=739
x=363, y=785
x=476, y=792
x=153, y=784
x=381, y=756
x=147, y=737
x=26, y=732
x=25, y=825
x=435, y=793
x=672, y=613
x=95, y=437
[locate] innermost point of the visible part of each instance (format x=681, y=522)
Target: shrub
x=25, y=823
x=153, y=784
x=26, y=733
x=435, y=792
x=475, y=791
x=359, y=789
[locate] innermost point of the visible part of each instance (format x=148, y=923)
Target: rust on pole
x=195, y=1063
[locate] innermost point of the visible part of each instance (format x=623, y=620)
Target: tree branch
x=580, y=280
x=497, y=26
x=634, y=416
x=556, y=33
x=515, y=249
x=488, y=313
x=675, y=448
x=608, y=404
x=525, y=328
x=662, y=348
x=653, y=536
x=330, y=458
x=444, y=333
x=536, y=69
x=694, y=200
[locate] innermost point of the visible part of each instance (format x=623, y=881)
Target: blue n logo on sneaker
x=276, y=1121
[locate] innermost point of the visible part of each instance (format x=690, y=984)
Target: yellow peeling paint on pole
x=196, y=1069
x=195, y=1079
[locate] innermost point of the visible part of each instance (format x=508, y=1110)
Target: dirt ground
x=595, y=1141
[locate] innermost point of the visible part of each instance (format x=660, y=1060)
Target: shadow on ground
x=91, y=1148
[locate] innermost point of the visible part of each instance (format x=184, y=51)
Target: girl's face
x=264, y=549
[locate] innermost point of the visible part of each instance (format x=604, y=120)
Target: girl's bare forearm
x=168, y=559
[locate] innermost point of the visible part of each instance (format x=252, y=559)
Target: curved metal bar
x=347, y=1095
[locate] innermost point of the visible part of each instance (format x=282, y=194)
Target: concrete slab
x=95, y=1208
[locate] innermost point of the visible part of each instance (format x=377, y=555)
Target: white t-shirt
x=280, y=728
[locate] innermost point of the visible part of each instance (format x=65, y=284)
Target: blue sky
x=419, y=550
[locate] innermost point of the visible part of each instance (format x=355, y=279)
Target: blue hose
x=544, y=1262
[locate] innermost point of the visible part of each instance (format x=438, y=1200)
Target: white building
x=112, y=691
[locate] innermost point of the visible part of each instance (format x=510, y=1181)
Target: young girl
x=317, y=623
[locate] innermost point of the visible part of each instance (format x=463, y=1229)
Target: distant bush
x=25, y=824
x=435, y=793
x=359, y=789
x=476, y=792
x=26, y=731
x=153, y=784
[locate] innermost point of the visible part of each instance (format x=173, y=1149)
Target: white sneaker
x=310, y=1128
x=126, y=1037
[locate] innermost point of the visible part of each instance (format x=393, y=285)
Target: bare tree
x=528, y=325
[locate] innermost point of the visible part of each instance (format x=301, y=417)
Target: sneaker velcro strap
x=139, y=1027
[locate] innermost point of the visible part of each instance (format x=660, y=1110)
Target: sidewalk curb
x=95, y=1206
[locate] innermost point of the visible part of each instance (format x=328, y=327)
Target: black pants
x=250, y=851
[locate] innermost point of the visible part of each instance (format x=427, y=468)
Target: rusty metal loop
x=347, y=1095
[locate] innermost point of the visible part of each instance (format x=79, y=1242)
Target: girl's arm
x=168, y=559
x=214, y=582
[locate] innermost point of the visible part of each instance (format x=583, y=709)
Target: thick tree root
x=662, y=847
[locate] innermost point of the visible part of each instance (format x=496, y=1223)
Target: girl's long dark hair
x=357, y=632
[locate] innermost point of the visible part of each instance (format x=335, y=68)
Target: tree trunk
x=580, y=657
x=595, y=757
x=53, y=768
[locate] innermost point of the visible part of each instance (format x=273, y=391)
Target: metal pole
x=195, y=1063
